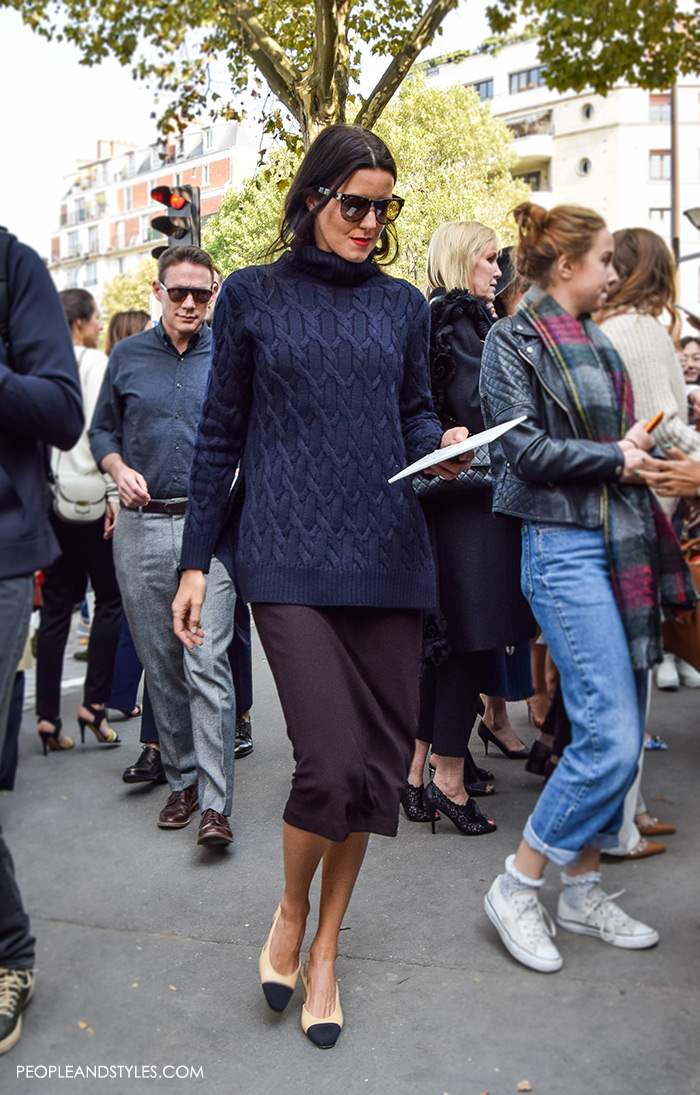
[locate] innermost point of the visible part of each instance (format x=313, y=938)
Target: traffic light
x=183, y=223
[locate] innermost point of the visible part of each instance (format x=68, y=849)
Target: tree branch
x=420, y=37
x=268, y=56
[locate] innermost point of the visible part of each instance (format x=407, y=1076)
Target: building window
x=536, y=180
x=130, y=163
x=659, y=165
x=584, y=166
x=91, y=273
x=120, y=266
x=527, y=79
x=73, y=278
x=128, y=198
x=205, y=174
x=208, y=140
x=483, y=88
x=73, y=244
x=587, y=111
x=177, y=178
x=661, y=217
x=660, y=108
x=121, y=234
x=145, y=227
x=93, y=239
x=180, y=147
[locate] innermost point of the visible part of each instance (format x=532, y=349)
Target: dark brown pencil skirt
x=347, y=680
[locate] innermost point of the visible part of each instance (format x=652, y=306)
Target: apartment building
x=105, y=216
x=612, y=153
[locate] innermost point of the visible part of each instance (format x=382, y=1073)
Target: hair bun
x=531, y=220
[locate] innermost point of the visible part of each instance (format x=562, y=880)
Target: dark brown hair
x=645, y=266
x=77, y=304
x=172, y=256
x=337, y=152
x=124, y=324
x=545, y=235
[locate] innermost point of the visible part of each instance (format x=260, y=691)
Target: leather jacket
x=543, y=469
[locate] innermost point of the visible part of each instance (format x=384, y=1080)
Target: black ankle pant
x=84, y=554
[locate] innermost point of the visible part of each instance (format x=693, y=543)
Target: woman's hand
x=635, y=460
x=110, y=520
x=187, y=608
x=450, y=469
x=638, y=437
x=679, y=476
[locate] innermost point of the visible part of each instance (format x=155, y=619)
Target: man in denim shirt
x=142, y=434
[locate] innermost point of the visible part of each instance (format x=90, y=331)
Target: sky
x=55, y=110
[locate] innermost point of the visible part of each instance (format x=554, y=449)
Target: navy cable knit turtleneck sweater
x=319, y=386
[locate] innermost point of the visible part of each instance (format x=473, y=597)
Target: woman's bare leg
x=342, y=860
x=302, y=854
x=496, y=718
x=420, y=755
x=449, y=778
x=341, y=866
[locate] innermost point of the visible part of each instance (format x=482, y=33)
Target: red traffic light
x=174, y=199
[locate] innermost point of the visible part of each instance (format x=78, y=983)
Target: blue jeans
x=565, y=578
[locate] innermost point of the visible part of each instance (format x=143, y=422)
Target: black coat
x=40, y=404
x=477, y=552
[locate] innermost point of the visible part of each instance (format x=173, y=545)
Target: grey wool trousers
x=191, y=690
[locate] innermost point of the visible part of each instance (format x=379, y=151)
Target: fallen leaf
x=83, y=1026
x=172, y=987
x=134, y=984
x=524, y=1085
x=65, y=797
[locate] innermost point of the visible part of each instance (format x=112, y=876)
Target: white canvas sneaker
x=667, y=674
x=601, y=917
x=525, y=927
x=688, y=674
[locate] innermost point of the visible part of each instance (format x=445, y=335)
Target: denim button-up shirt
x=148, y=407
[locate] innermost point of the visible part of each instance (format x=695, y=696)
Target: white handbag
x=79, y=498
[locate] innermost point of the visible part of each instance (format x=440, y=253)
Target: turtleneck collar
x=331, y=268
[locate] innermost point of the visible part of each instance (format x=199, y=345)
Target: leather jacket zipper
x=549, y=392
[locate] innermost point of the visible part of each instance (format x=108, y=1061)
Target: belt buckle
x=171, y=508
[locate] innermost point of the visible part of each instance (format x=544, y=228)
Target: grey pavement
x=148, y=945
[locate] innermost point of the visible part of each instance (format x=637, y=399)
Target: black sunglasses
x=355, y=209
x=178, y=293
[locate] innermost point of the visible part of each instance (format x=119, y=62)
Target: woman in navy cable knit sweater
x=319, y=389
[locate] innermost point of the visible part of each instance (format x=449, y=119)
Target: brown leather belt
x=171, y=508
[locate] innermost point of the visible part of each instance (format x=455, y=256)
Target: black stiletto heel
x=468, y=819
x=50, y=739
x=108, y=737
x=488, y=737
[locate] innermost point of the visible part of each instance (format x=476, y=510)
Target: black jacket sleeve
x=40, y=394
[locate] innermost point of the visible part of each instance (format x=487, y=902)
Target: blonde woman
x=481, y=610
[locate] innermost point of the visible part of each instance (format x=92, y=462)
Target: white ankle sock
x=513, y=881
x=577, y=887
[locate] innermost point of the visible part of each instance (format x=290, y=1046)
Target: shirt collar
x=165, y=338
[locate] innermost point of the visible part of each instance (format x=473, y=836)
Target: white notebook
x=438, y=455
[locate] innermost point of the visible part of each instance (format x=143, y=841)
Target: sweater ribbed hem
x=196, y=552
x=338, y=587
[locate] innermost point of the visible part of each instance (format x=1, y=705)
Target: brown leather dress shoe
x=214, y=829
x=179, y=808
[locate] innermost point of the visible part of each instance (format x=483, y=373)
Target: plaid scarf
x=646, y=566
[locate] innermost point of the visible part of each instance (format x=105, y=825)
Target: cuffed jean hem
x=564, y=857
